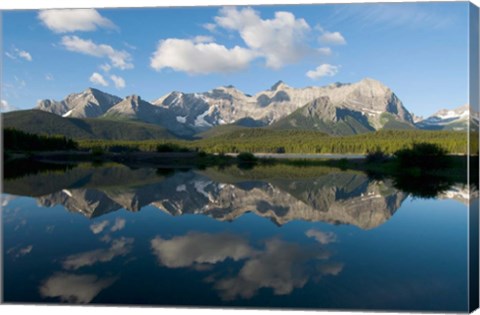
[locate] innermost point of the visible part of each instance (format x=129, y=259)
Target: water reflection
x=72, y=288
x=278, y=265
x=200, y=237
x=329, y=196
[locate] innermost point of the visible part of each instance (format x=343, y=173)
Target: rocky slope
x=362, y=106
x=455, y=119
x=87, y=104
x=336, y=198
x=368, y=100
x=349, y=109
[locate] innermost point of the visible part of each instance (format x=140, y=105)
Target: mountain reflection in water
x=335, y=197
x=339, y=239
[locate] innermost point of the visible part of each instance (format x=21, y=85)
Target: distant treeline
x=16, y=140
x=388, y=141
x=255, y=140
x=289, y=141
x=293, y=141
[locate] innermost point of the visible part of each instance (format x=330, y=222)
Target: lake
x=265, y=237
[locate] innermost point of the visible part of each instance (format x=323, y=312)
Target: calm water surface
x=271, y=237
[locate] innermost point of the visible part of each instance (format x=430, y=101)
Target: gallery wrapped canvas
x=309, y=156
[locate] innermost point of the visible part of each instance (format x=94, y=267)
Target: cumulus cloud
x=203, y=39
x=333, y=38
x=322, y=237
x=25, y=55
x=119, y=225
x=331, y=269
x=199, y=248
x=325, y=51
x=325, y=70
x=118, y=247
x=16, y=53
x=98, y=227
x=210, y=26
x=19, y=252
x=73, y=288
x=106, y=67
x=5, y=199
x=71, y=20
x=118, y=58
x=97, y=78
x=10, y=55
x=119, y=84
x=282, y=267
x=5, y=107
x=25, y=250
x=199, y=58
x=280, y=40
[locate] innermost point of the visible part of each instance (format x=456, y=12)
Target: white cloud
x=10, y=55
x=323, y=238
x=18, y=53
x=49, y=77
x=321, y=71
x=118, y=81
x=119, y=58
x=199, y=58
x=106, y=67
x=199, y=248
x=333, y=38
x=97, y=78
x=281, y=266
x=71, y=20
x=5, y=198
x=26, y=250
x=326, y=51
x=119, y=225
x=210, y=26
x=203, y=39
x=129, y=46
x=119, y=247
x=25, y=55
x=280, y=40
x=19, y=252
x=5, y=107
x=98, y=227
x=73, y=288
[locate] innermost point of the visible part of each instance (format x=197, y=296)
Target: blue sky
x=419, y=50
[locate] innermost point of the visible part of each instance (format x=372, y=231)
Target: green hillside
x=302, y=141
x=40, y=122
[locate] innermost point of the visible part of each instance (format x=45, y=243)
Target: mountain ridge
x=457, y=119
x=337, y=108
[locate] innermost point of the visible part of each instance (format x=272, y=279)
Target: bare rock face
x=458, y=119
x=368, y=99
x=371, y=104
x=89, y=202
x=336, y=198
x=135, y=108
x=87, y=104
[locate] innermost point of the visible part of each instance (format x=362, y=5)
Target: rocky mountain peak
x=278, y=86
x=133, y=98
x=374, y=85
x=368, y=102
x=451, y=119
x=91, y=90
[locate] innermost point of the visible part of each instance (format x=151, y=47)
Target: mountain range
x=336, y=198
x=225, y=195
x=336, y=109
